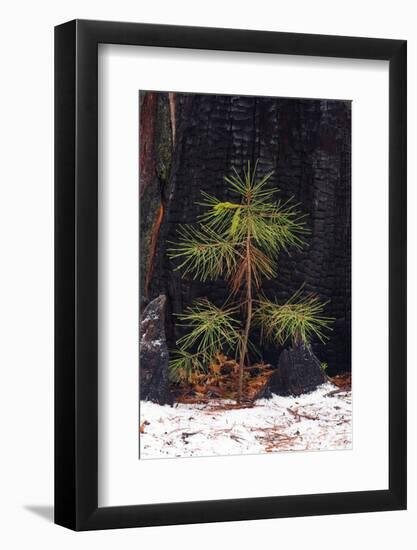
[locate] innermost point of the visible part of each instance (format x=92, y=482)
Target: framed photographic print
x=230, y=275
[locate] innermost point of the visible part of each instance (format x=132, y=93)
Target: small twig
x=189, y=434
x=236, y=438
x=301, y=415
x=334, y=392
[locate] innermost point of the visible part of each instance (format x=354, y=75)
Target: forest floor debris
x=321, y=420
x=221, y=382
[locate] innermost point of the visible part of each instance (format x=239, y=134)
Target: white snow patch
x=148, y=344
x=314, y=421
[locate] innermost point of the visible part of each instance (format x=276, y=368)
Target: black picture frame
x=76, y=271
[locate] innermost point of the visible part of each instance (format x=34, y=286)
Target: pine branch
x=183, y=364
x=300, y=319
x=210, y=327
x=205, y=253
x=210, y=330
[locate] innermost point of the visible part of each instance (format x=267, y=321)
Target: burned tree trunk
x=200, y=138
x=153, y=354
x=298, y=371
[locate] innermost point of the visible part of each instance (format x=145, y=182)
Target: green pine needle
x=210, y=330
x=235, y=222
x=204, y=253
x=210, y=327
x=299, y=320
x=183, y=365
x=216, y=246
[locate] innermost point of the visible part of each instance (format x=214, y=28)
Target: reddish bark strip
x=152, y=249
x=171, y=99
x=147, y=164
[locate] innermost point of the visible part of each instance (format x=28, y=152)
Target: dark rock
x=299, y=371
x=153, y=354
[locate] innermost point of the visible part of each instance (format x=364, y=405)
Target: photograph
x=245, y=274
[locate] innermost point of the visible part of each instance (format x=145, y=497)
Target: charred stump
x=153, y=354
x=299, y=371
x=189, y=142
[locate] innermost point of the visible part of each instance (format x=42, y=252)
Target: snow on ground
x=311, y=422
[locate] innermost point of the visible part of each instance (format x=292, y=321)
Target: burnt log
x=153, y=354
x=298, y=371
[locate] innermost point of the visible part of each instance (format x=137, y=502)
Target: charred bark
x=298, y=371
x=153, y=354
x=307, y=145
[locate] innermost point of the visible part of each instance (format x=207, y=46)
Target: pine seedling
x=238, y=241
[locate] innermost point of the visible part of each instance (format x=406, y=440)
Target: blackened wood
x=307, y=143
x=153, y=354
x=298, y=372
